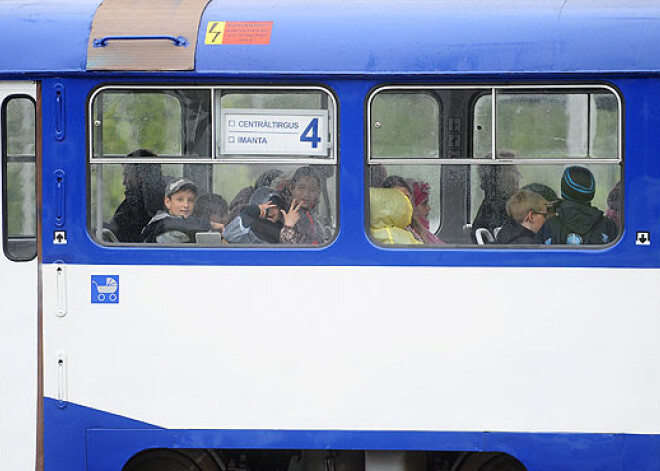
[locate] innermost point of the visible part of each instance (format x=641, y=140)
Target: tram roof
x=371, y=37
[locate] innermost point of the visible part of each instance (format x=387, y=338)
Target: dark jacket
x=513, y=233
x=577, y=224
x=248, y=228
x=165, y=228
x=491, y=214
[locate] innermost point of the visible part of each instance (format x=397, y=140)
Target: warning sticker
x=238, y=32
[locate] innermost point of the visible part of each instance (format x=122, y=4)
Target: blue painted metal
x=77, y=437
x=385, y=37
x=439, y=37
x=352, y=247
x=178, y=41
x=45, y=36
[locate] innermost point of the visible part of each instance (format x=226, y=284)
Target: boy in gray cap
x=177, y=225
x=577, y=222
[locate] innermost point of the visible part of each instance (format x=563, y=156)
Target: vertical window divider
x=493, y=124
x=214, y=146
x=589, y=124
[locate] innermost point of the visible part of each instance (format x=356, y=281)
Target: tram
x=327, y=349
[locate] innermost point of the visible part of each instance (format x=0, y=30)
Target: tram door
x=18, y=277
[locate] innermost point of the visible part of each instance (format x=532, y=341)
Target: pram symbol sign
x=105, y=289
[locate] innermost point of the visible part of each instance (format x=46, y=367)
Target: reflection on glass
x=405, y=125
x=128, y=120
x=132, y=196
x=20, y=127
x=557, y=125
x=21, y=201
x=19, y=192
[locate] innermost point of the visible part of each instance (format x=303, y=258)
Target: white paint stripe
x=365, y=348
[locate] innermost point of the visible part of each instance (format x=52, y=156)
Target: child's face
x=535, y=220
x=181, y=203
x=273, y=214
x=307, y=191
x=217, y=218
x=424, y=209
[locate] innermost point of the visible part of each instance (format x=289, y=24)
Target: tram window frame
x=465, y=156
x=203, y=170
x=19, y=248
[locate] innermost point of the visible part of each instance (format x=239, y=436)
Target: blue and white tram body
x=548, y=355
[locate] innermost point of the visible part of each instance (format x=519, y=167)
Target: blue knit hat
x=578, y=184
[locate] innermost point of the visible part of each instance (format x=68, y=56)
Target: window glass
x=558, y=153
x=426, y=185
x=19, y=166
x=235, y=196
x=510, y=178
x=126, y=120
x=549, y=125
x=482, y=129
x=405, y=125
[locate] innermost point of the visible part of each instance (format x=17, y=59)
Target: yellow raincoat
x=390, y=213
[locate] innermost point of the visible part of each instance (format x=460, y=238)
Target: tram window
x=281, y=139
x=550, y=125
x=538, y=133
x=19, y=190
x=126, y=120
x=405, y=125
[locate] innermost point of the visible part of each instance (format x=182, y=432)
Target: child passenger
x=213, y=208
x=260, y=222
x=301, y=223
x=176, y=224
x=577, y=222
x=420, y=220
x=527, y=212
x=390, y=214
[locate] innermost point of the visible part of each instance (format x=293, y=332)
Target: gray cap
x=178, y=185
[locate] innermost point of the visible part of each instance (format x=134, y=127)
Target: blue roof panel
x=45, y=35
x=372, y=37
x=440, y=36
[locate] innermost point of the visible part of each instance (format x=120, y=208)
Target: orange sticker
x=238, y=32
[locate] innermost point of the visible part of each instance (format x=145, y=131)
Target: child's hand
x=216, y=226
x=263, y=209
x=292, y=217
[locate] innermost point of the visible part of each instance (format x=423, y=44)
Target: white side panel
x=364, y=348
x=18, y=346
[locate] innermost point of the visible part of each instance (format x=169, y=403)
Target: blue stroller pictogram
x=105, y=289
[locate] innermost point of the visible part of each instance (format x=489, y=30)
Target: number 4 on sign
x=313, y=129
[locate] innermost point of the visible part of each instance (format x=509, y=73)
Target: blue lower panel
x=79, y=439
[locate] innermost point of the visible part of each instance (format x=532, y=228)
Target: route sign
x=274, y=132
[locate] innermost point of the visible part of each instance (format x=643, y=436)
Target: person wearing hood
x=260, y=222
x=527, y=213
x=143, y=197
x=420, y=221
x=577, y=222
x=390, y=213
